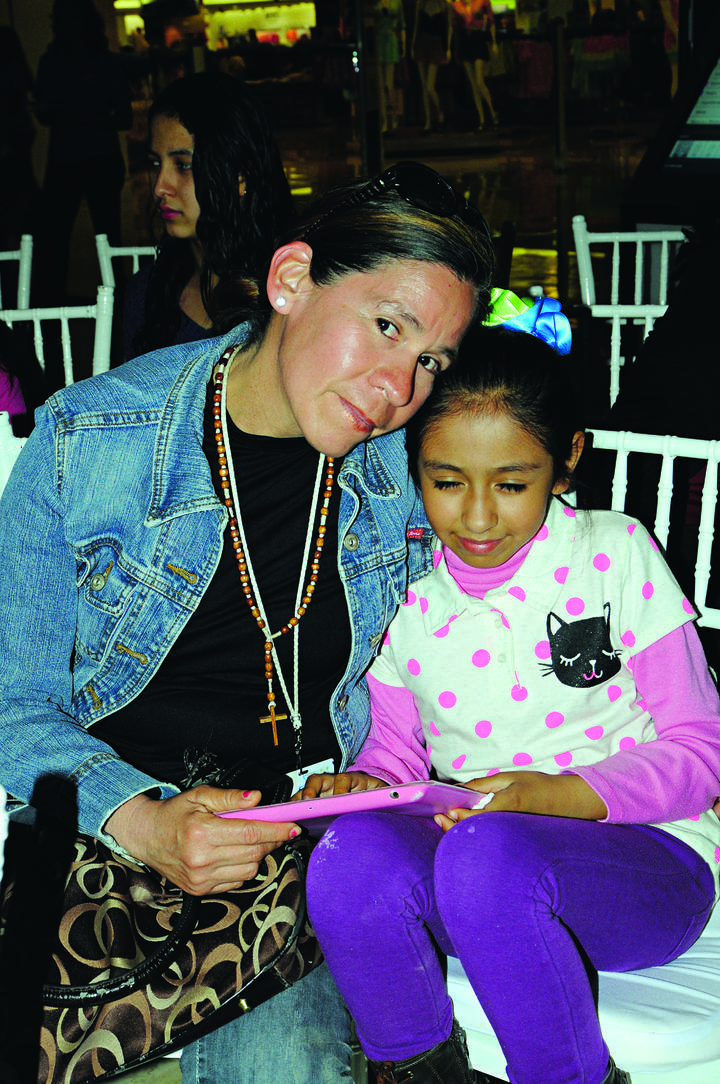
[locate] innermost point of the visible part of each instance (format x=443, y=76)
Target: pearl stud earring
x=280, y=302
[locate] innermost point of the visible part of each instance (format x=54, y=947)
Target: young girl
x=532, y=665
x=219, y=188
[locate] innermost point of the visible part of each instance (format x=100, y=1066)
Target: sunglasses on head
x=416, y=184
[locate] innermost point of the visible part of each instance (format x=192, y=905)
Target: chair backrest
x=668, y=449
x=106, y=253
x=632, y=292
x=638, y=268
x=100, y=313
x=10, y=446
x=23, y=257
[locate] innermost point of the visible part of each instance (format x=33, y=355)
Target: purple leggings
x=531, y=905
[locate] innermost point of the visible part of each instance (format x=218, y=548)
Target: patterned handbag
x=140, y=968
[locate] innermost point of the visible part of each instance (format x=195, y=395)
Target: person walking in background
x=84, y=98
x=474, y=32
x=432, y=34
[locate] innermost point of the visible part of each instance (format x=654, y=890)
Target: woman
x=146, y=672
x=219, y=188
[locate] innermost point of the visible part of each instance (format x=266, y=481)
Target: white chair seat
x=661, y=1024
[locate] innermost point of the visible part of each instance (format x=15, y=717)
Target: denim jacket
x=111, y=533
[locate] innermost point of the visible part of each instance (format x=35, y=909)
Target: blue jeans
x=298, y=1036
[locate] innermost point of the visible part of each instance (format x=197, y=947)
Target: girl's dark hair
x=500, y=371
x=367, y=235
x=232, y=139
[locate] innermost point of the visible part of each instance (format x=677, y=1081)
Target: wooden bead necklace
x=247, y=575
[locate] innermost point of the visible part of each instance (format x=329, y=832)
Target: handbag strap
x=137, y=976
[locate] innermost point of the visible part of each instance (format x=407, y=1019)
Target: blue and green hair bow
x=543, y=318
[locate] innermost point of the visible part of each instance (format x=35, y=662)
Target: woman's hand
x=183, y=839
x=532, y=792
x=322, y=786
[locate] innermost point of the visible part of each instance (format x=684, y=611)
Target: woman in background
x=219, y=188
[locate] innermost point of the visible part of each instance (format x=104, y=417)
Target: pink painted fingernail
x=247, y=793
x=294, y=832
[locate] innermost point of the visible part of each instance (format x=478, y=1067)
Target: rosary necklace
x=247, y=574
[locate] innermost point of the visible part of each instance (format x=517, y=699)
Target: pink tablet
x=421, y=799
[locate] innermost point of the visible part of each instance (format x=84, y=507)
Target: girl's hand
x=184, y=840
x=319, y=786
x=532, y=792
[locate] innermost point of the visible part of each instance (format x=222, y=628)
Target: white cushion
x=661, y=1024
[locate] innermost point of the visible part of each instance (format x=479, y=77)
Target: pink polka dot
x=518, y=593
x=542, y=533
x=601, y=562
x=648, y=590
x=561, y=574
x=688, y=606
x=563, y=760
x=386, y=641
x=627, y=743
x=641, y=704
x=459, y=761
x=569, y=511
x=437, y=557
x=429, y=750
x=446, y=628
x=575, y=606
x=410, y=598
x=594, y=733
x=653, y=543
x=628, y=638
x=717, y=855
x=493, y=771
x=695, y=817
x=483, y=729
x=521, y=759
x=630, y=663
x=554, y=718
x=519, y=692
x=631, y=528
x=447, y=700
x=423, y=605
x=503, y=618
x=413, y=667
x=433, y=729
x=614, y=691
x=481, y=658
x=542, y=649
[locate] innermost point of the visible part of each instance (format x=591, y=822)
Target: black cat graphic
x=581, y=652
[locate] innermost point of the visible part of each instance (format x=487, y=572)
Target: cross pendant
x=273, y=719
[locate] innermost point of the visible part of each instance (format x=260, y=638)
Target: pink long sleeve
x=394, y=750
x=640, y=785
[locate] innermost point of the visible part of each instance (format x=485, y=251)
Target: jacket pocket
x=105, y=588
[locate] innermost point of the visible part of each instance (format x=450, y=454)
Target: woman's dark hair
x=500, y=371
x=365, y=236
x=232, y=139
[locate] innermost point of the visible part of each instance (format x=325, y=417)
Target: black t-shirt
x=202, y=708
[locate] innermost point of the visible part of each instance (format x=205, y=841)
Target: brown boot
x=446, y=1063
x=615, y=1075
